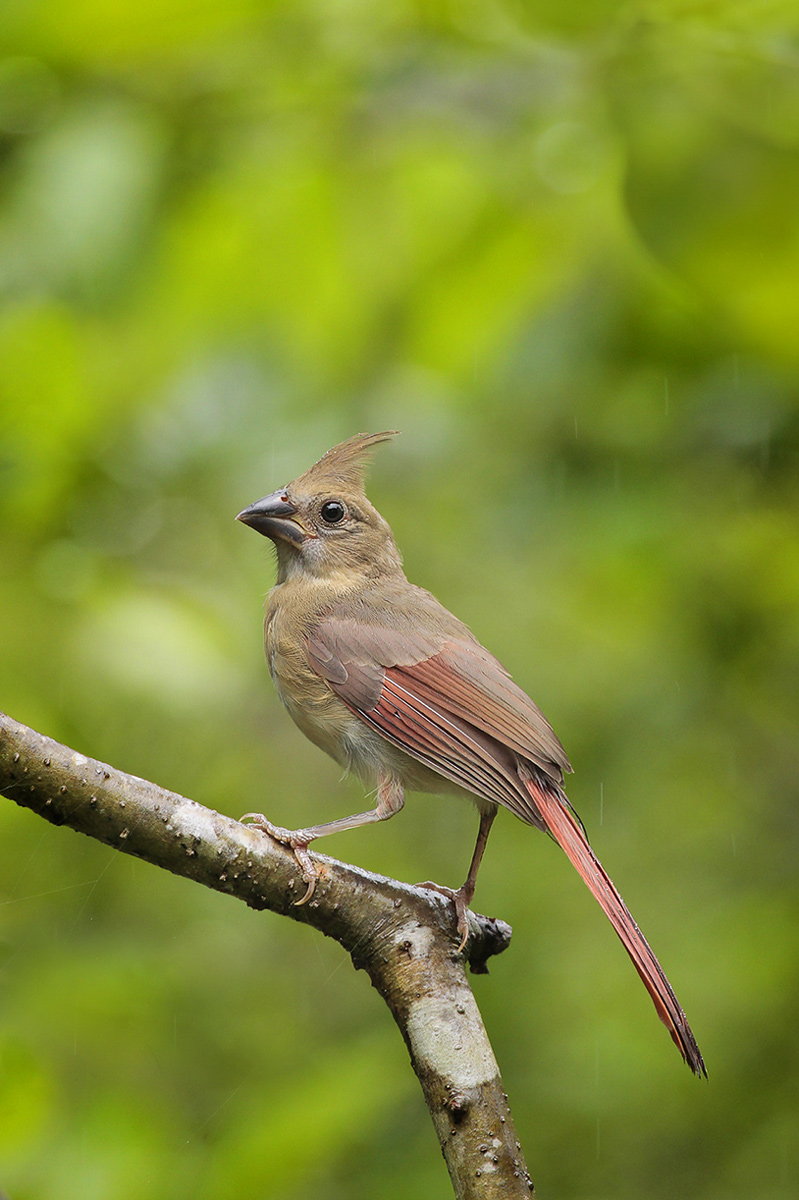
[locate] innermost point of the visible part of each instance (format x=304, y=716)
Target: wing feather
x=448, y=745
x=450, y=672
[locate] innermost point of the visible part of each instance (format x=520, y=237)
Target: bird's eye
x=333, y=512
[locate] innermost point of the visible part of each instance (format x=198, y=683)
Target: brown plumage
x=389, y=683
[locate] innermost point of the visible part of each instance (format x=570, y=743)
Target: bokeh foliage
x=557, y=246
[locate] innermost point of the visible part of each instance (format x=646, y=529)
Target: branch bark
x=405, y=938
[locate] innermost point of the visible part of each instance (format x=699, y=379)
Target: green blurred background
x=557, y=245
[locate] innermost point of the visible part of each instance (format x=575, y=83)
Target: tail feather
x=570, y=836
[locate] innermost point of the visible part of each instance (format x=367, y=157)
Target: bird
x=381, y=676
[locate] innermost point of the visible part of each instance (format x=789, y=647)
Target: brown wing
x=468, y=682
x=440, y=697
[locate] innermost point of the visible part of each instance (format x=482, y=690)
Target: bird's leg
x=390, y=799
x=462, y=898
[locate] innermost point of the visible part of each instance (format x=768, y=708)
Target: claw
x=461, y=902
x=310, y=891
x=297, y=841
x=308, y=872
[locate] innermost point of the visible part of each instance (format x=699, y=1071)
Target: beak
x=273, y=517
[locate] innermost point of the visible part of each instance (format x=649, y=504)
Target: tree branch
x=404, y=937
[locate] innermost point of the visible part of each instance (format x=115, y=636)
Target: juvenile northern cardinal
x=389, y=683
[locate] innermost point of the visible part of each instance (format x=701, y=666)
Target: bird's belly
x=316, y=711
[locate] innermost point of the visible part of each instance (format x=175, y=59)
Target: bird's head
x=322, y=523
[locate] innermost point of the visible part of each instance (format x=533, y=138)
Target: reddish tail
x=569, y=835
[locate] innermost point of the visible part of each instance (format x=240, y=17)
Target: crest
x=344, y=466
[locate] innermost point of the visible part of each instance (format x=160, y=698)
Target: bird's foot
x=297, y=840
x=461, y=899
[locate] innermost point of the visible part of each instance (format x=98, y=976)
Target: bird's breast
x=315, y=709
